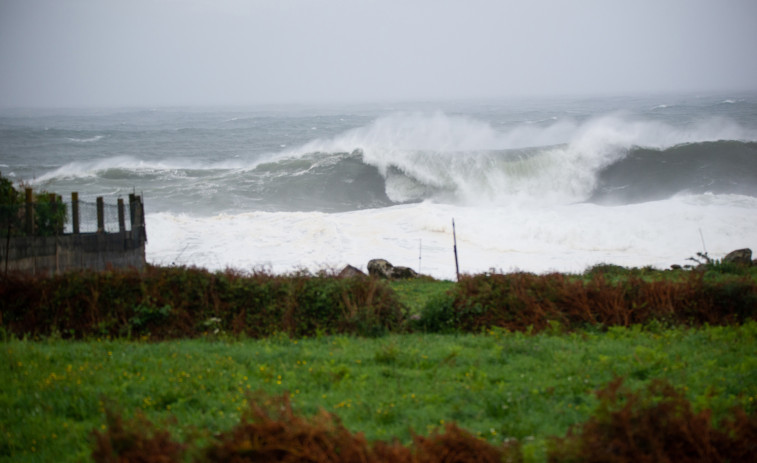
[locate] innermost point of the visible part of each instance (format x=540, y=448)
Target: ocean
x=536, y=185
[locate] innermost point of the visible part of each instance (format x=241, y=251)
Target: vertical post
x=121, y=219
x=100, y=215
x=8, y=240
x=132, y=211
x=29, y=212
x=420, y=250
x=454, y=237
x=75, y=212
x=141, y=222
x=61, y=214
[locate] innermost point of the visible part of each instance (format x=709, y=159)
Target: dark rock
x=403, y=273
x=381, y=268
x=739, y=256
x=351, y=272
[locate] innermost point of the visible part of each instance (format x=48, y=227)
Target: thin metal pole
x=454, y=237
x=420, y=250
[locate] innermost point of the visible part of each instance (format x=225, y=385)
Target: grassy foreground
x=497, y=385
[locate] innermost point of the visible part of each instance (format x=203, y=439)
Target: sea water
x=535, y=185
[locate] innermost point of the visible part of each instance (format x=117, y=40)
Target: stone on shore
x=739, y=256
x=351, y=272
x=381, y=268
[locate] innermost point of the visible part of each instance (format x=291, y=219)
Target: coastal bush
x=655, y=424
x=439, y=315
x=533, y=303
x=50, y=213
x=169, y=303
x=271, y=431
x=137, y=439
x=175, y=302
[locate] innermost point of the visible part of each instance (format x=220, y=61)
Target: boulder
x=403, y=273
x=739, y=256
x=351, y=272
x=381, y=268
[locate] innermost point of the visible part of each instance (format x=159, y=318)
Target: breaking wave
x=403, y=158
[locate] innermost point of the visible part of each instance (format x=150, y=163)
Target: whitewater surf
x=555, y=186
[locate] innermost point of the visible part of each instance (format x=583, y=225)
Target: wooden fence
x=44, y=238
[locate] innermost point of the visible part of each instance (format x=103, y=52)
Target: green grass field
x=497, y=385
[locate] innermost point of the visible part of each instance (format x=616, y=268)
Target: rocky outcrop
x=352, y=272
x=739, y=256
x=381, y=268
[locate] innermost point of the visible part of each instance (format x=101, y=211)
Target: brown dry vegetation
x=171, y=303
x=528, y=302
x=655, y=425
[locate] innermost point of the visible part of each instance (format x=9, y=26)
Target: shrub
x=439, y=315
x=657, y=424
x=50, y=213
x=527, y=302
x=166, y=303
x=135, y=440
x=270, y=431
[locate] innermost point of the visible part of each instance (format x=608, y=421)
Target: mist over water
x=537, y=186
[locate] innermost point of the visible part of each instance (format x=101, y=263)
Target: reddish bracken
x=271, y=432
x=655, y=425
x=524, y=301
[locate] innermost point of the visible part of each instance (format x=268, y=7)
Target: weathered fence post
x=121, y=219
x=62, y=216
x=132, y=213
x=29, y=212
x=100, y=215
x=75, y=212
x=139, y=208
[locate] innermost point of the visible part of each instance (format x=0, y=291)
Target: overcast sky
x=85, y=53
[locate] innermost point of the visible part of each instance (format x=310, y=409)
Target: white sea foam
x=565, y=238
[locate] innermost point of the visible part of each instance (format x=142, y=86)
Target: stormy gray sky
x=81, y=53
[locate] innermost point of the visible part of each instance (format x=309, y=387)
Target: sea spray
x=533, y=185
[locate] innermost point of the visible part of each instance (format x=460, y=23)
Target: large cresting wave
x=402, y=158
x=610, y=159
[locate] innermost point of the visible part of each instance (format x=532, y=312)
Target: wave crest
x=455, y=158
x=410, y=157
